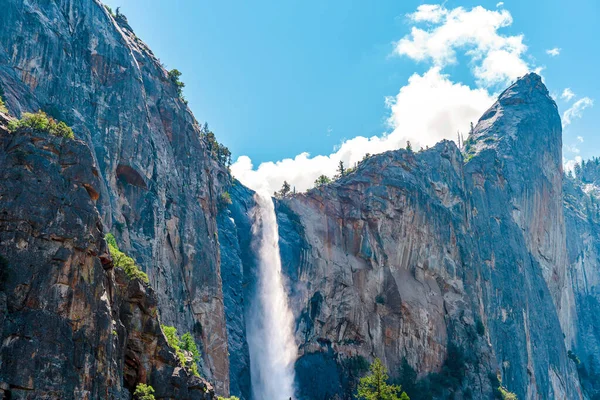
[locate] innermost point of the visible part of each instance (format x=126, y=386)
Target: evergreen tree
x=375, y=387
x=341, y=170
x=322, y=180
x=408, y=146
x=285, y=189
x=143, y=392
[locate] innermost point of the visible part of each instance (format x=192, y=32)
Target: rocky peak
x=524, y=122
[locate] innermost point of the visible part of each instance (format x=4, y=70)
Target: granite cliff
x=473, y=268
x=445, y=259
x=71, y=325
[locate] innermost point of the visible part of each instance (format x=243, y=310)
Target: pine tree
x=375, y=387
x=408, y=146
x=322, y=180
x=341, y=170
x=285, y=189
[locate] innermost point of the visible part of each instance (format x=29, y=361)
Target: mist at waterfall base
x=270, y=334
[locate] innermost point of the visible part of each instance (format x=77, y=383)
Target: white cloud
x=569, y=165
x=553, y=52
x=576, y=111
x=428, y=109
x=429, y=13
x=431, y=106
x=580, y=139
x=567, y=94
x=499, y=4
x=497, y=58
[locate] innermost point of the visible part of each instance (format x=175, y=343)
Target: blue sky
x=277, y=79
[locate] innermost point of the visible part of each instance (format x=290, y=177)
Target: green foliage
x=284, y=191
x=143, y=392
x=41, y=122
x=228, y=398
x=224, y=200
x=174, y=76
x=341, y=170
x=3, y=108
x=217, y=151
x=375, y=387
x=322, y=180
x=186, y=343
x=123, y=261
x=380, y=299
x=409, y=146
x=505, y=394
x=500, y=392
x=110, y=11
x=189, y=344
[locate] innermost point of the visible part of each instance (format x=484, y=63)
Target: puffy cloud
x=497, y=58
x=499, y=4
x=553, y=52
x=567, y=94
x=580, y=139
x=428, y=109
x=576, y=110
x=569, y=165
x=429, y=13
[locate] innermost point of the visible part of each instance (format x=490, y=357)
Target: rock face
x=238, y=268
x=416, y=254
x=466, y=265
x=582, y=218
x=71, y=327
x=157, y=185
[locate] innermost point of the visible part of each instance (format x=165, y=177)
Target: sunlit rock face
x=483, y=257
x=403, y=257
x=158, y=187
x=71, y=326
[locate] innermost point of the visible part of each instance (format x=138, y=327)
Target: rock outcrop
x=158, y=186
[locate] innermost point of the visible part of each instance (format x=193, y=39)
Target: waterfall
x=270, y=322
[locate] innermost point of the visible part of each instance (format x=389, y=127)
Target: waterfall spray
x=270, y=334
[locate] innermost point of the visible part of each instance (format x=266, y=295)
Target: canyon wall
x=71, y=325
x=471, y=266
x=158, y=187
x=415, y=254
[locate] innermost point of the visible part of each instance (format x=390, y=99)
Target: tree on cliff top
x=322, y=180
x=375, y=387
